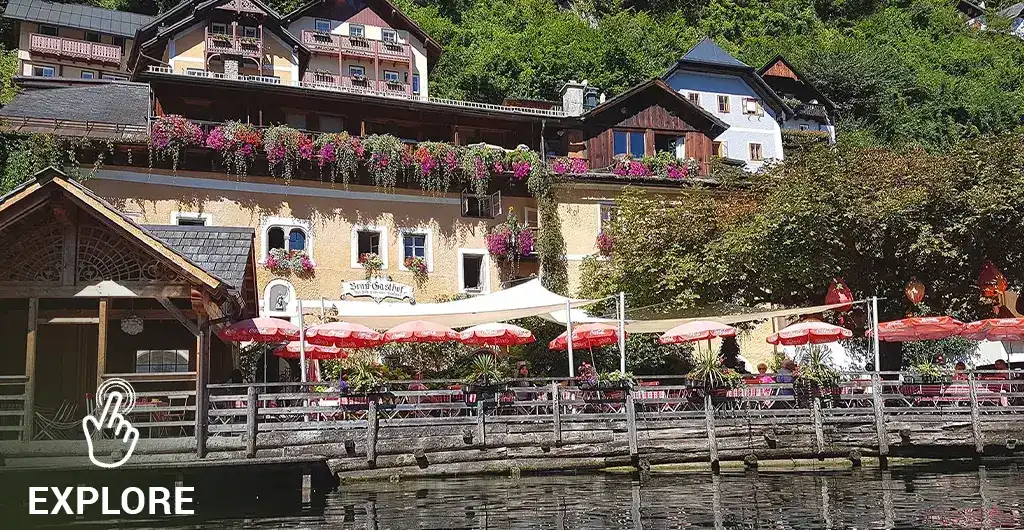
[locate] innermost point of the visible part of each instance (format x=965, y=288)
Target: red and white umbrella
x=262, y=329
x=343, y=335
x=420, y=331
x=918, y=328
x=496, y=334
x=1008, y=329
x=587, y=336
x=697, y=330
x=809, y=332
x=313, y=352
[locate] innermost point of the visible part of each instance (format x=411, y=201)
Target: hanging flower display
x=664, y=164
x=914, y=291
x=522, y=162
x=991, y=281
x=341, y=152
x=418, y=267
x=385, y=159
x=604, y=244
x=681, y=169
x=170, y=135
x=627, y=166
x=372, y=264
x=435, y=165
x=237, y=144
x=285, y=148
x=506, y=242
x=281, y=261
x=478, y=162
x=569, y=166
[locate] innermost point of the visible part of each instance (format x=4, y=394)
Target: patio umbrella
x=343, y=335
x=260, y=329
x=496, y=334
x=313, y=352
x=587, y=336
x=997, y=329
x=809, y=332
x=420, y=331
x=696, y=331
x=918, y=328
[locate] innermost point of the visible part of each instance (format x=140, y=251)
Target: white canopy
x=524, y=300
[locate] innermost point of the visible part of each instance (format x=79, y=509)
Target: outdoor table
x=948, y=393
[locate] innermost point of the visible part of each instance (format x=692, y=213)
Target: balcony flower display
x=281, y=261
x=237, y=143
x=384, y=155
x=372, y=264
x=522, y=162
x=605, y=244
x=510, y=241
x=569, y=166
x=663, y=164
x=341, y=152
x=477, y=163
x=419, y=269
x=436, y=165
x=285, y=148
x=170, y=135
x=628, y=166
x=681, y=169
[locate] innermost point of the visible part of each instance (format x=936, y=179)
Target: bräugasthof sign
x=379, y=289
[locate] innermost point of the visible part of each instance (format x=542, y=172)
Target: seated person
x=417, y=383
x=762, y=375
x=960, y=372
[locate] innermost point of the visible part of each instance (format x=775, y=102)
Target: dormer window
x=219, y=28
x=322, y=25
x=356, y=31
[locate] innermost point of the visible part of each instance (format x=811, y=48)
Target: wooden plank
x=481, y=427
x=30, y=370
x=178, y=314
x=106, y=288
x=202, y=379
x=68, y=320
x=631, y=424
x=112, y=314
x=371, y=433
x=556, y=413
x=979, y=436
x=101, y=348
x=878, y=407
x=709, y=424
x=819, y=431
x=251, y=425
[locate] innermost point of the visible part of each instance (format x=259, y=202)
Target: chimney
x=572, y=97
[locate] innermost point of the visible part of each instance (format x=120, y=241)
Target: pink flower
x=525, y=241
x=520, y=169
x=604, y=244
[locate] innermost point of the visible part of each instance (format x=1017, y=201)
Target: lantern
x=914, y=291
x=131, y=324
x=991, y=281
x=839, y=293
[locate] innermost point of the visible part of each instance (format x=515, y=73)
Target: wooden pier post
x=202, y=379
x=371, y=431
x=709, y=423
x=819, y=428
x=631, y=427
x=979, y=437
x=251, y=427
x=28, y=423
x=556, y=414
x=481, y=427
x=879, y=408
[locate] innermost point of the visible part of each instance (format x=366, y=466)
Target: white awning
x=661, y=326
x=524, y=300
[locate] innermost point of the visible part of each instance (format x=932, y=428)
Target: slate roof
x=707, y=52
x=97, y=101
x=223, y=251
x=77, y=16
x=1012, y=12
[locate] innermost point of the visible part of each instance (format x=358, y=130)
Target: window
x=356, y=30
x=92, y=36
x=756, y=154
x=669, y=142
x=719, y=149
x=391, y=75
x=191, y=219
x=88, y=74
x=113, y=77
x=751, y=107
x=118, y=41
x=367, y=239
x=297, y=239
x=219, y=28
x=161, y=361
x=356, y=71
x=629, y=143
x=416, y=244
x=322, y=25
x=250, y=31
x=723, y=104
x=472, y=271
x=607, y=213
x=388, y=35
x=415, y=83
x=48, y=30
x=275, y=238
x=803, y=127
x=694, y=98
x=369, y=242
x=488, y=206
x=531, y=217
x=286, y=238
x=43, y=71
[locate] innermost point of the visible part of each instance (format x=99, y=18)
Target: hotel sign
x=379, y=289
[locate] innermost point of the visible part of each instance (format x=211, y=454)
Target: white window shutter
x=495, y=204
x=465, y=205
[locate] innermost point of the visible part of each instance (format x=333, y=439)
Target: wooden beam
x=104, y=289
x=30, y=371
x=202, y=380
x=68, y=320
x=101, y=347
x=112, y=314
x=178, y=314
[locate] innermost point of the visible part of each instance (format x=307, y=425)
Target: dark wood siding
x=599, y=148
x=779, y=69
x=655, y=117
x=698, y=146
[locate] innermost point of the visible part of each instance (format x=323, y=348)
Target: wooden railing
x=12, y=407
x=75, y=49
x=319, y=41
x=244, y=46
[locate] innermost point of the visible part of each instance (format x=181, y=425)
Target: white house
x=734, y=93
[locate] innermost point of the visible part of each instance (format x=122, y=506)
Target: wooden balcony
x=394, y=51
x=251, y=47
x=393, y=87
x=320, y=42
x=78, y=50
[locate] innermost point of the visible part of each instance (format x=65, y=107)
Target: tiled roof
x=77, y=16
x=223, y=251
x=707, y=52
x=98, y=101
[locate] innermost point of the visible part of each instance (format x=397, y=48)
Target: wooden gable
x=242, y=6
x=654, y=116
x=352, y=11
x=781, y=69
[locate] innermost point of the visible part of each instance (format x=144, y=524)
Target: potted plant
x=486, y=376
x=815, y=376
x=616, y=380
x=171, y=134
x=929, y=372
x=281, y=261
x=237, y=144
x=587, y=377
x=367, y=377
x=341, y=152
x=510, y=241
x=710, y=376
x=372, y=264
x=418, y=267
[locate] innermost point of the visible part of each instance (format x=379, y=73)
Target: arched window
x=155, y=361
x=297, y=239
x=275, y=238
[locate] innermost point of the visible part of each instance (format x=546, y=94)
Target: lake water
x=933, y=497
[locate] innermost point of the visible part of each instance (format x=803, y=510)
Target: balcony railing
x=75, y=49
x=244, y=46
x=319, y=41
x=393, y=87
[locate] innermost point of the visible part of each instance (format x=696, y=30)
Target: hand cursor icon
x=114, y=406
